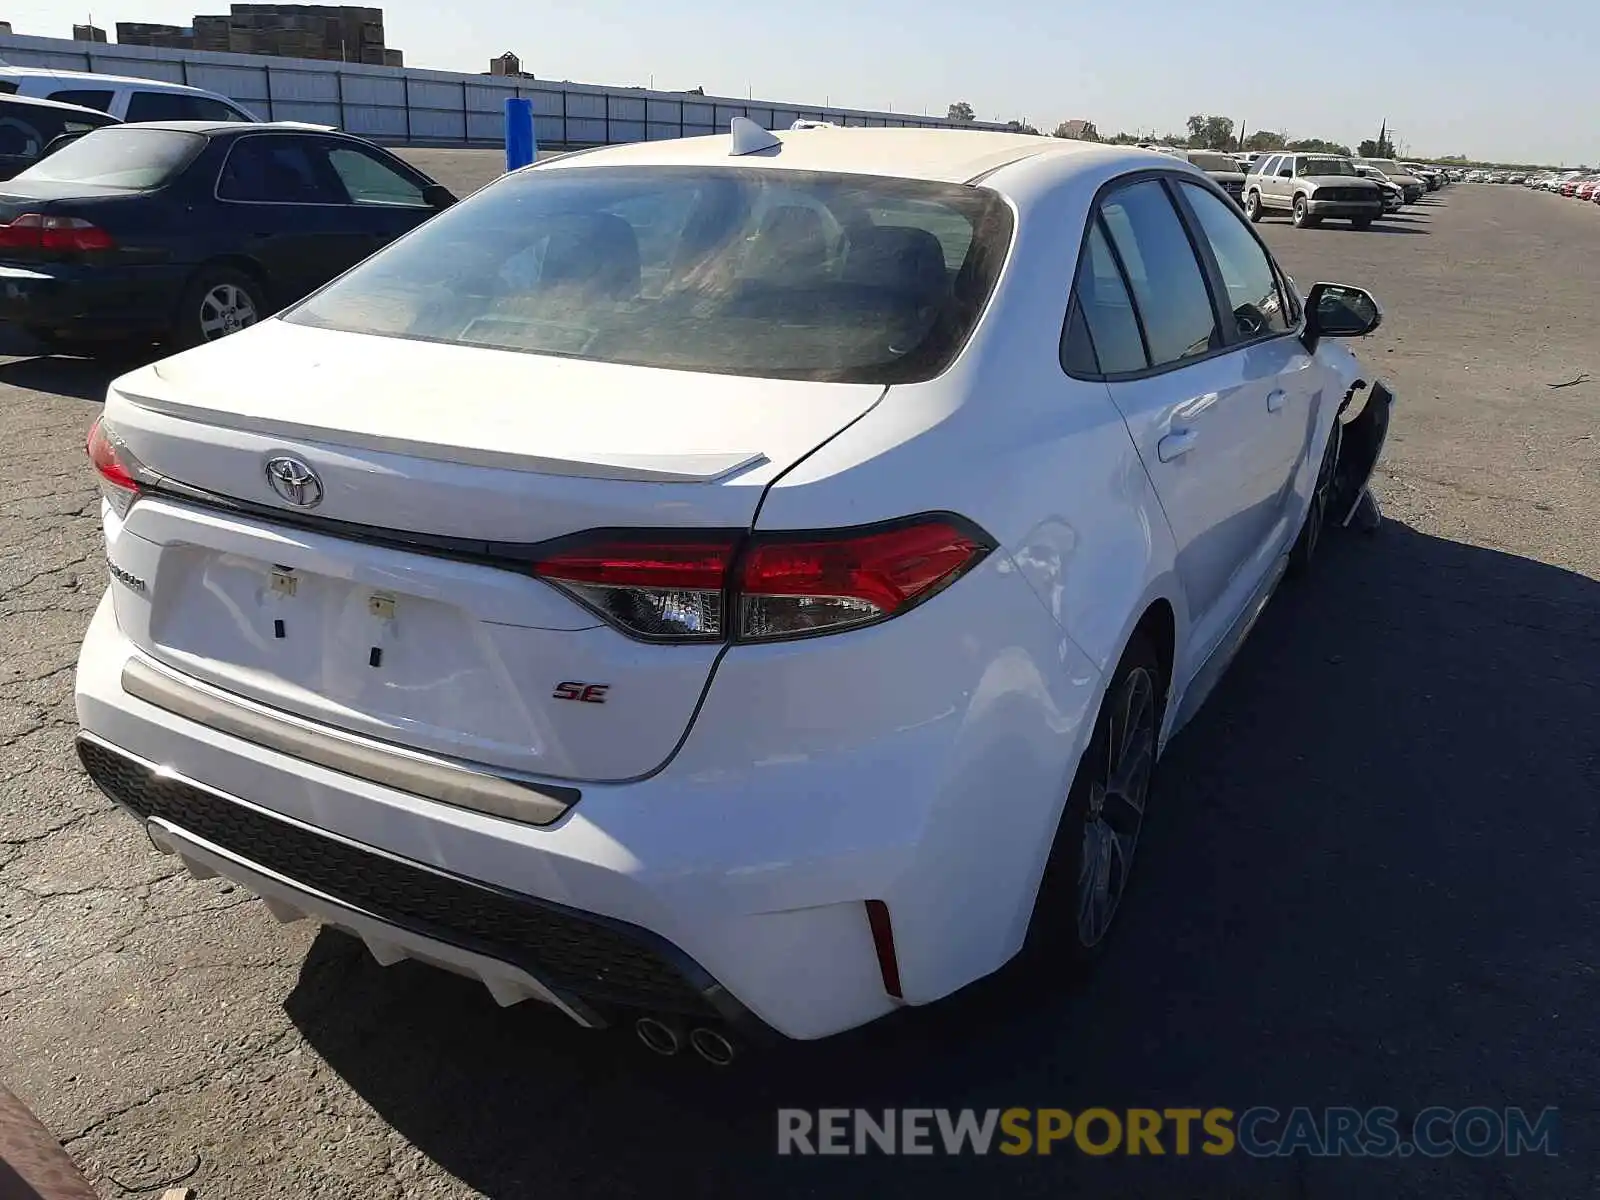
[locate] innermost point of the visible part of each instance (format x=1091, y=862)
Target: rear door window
x=84, y=98
x=179, y=106
x=278, y=169
x=1110, y=327
x=1163, y=272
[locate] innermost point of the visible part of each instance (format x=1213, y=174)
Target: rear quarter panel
x=1046, y=465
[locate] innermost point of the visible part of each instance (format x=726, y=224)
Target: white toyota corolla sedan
x=732, y=584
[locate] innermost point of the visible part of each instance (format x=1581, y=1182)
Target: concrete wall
x=410, y=105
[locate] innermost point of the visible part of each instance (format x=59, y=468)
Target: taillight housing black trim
x=523, y=557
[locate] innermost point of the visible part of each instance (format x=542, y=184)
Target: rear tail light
x=119, y=471
x=38, y=231
x=763, y=587
x=659, y=590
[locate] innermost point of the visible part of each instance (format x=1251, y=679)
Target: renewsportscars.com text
x=1259, y=1132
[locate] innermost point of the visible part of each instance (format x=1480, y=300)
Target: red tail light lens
x=794, y=586
x=659, y=590
x=117, y=468
x=38, y=231
x=784, y=585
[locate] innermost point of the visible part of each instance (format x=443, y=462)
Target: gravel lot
x=1370, y=880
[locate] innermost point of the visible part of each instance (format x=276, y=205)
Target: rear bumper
x=730, y=885
x=90, y=301
x=402, y=910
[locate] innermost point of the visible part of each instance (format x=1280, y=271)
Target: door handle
x=1175, y=445
x=1276, y=399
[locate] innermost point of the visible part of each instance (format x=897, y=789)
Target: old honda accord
x=733, y=584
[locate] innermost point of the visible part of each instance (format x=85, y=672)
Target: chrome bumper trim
x=456, y=784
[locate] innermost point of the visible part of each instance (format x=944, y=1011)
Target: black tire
x=1302, y=213
x=1360, y=222
x=1252, y=207
x=218, y=301
x=1059, y=943
x=1304, y=551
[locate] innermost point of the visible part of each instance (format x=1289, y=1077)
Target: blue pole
x=521, y=149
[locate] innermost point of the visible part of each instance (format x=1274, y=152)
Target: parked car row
x=1312, y=188
x=1577, y=185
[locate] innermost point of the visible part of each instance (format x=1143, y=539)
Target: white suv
x=127, y=98
x=725, y=580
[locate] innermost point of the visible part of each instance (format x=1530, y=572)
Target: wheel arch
x=242, y=263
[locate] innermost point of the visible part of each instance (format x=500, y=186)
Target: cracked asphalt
x=1370, y=876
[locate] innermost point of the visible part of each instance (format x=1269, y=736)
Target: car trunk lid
x=398, y=603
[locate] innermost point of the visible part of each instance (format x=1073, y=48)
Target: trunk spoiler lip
x=708, y=466
x=514, y=556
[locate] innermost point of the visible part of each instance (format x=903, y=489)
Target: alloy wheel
x=226, y=309
x=1116, y=805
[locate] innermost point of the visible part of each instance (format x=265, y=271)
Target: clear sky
x=1496, y=79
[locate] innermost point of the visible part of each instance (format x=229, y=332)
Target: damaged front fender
x=1364, y=420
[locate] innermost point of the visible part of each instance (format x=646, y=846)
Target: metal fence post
x=338, y=79
x=271, y=114
x=405, y=92
x=466, y=125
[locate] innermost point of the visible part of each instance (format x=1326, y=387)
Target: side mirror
x=438, y=197
x=1285, y=172
x=1339, y=310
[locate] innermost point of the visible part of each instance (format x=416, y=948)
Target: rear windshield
x=1213, y=162
x=729, y=270
x=120, y=157
x=25, y=129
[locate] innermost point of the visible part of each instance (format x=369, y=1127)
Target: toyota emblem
x=295, y=481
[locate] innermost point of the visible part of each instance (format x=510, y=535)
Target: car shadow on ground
x=1381, y=227
x=1364, y=882
x=80, y=377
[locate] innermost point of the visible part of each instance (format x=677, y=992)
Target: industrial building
x=337, y=33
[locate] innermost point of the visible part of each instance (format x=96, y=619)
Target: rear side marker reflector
x=724, y=585
x=883, y=943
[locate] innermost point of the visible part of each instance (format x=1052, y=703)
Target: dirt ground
x=1370, y=879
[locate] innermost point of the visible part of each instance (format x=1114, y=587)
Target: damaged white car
x=725, y=585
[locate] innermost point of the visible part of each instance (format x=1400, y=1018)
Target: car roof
x=939, y=155
x=90, y=77
x=41, y=102
x=211, y=128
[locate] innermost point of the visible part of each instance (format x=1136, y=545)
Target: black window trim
x=1209, y=273
x=402, y=168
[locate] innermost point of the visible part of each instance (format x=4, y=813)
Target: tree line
x=1205, y=132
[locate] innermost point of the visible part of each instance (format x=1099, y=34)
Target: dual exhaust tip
x=666, y=1038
